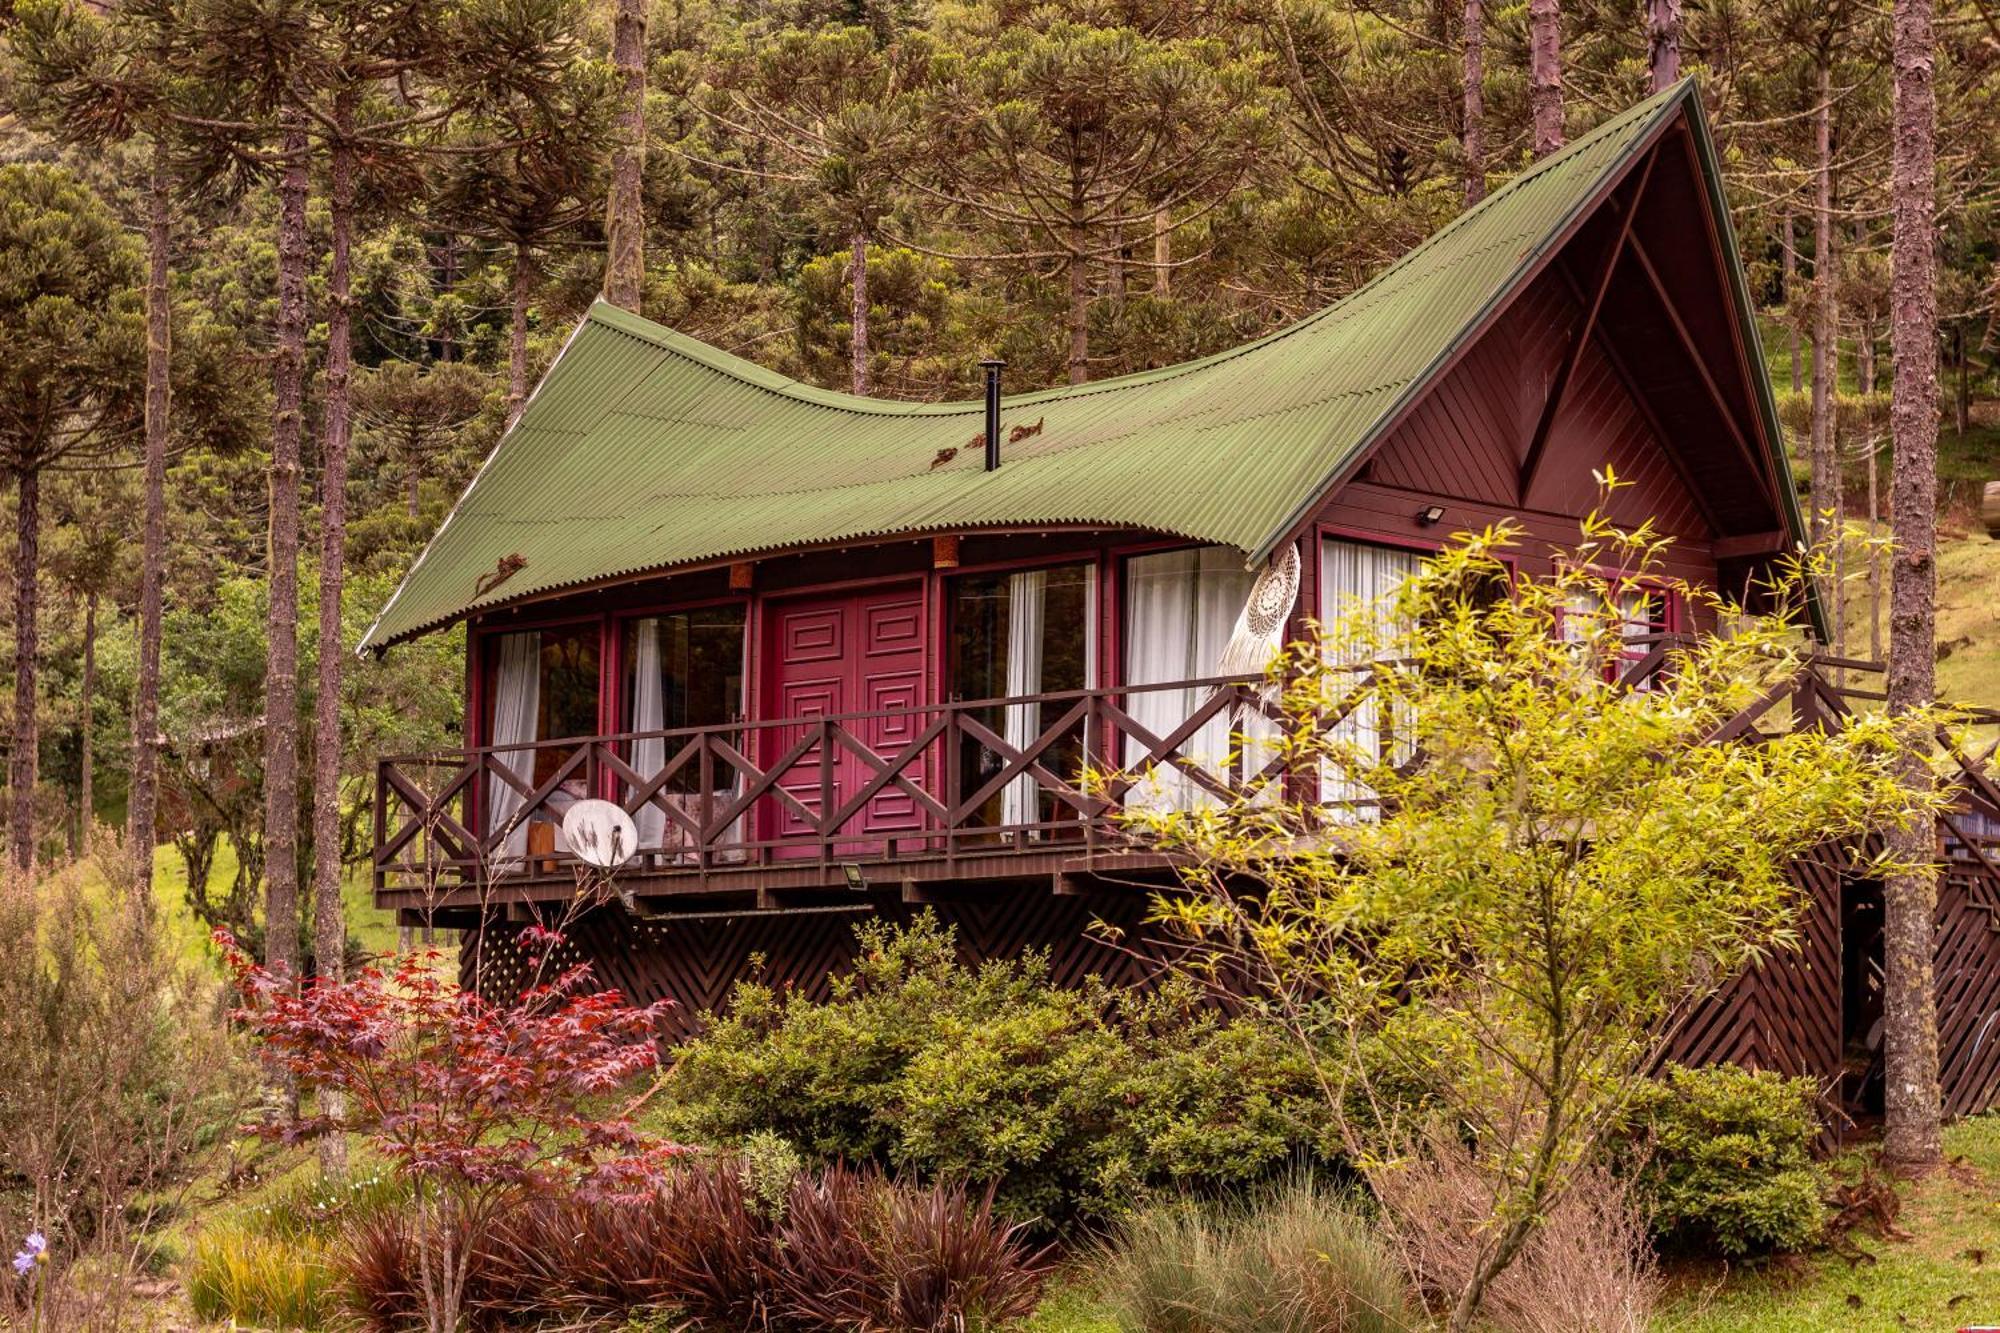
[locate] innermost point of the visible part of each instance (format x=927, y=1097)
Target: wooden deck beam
x=1688, y=344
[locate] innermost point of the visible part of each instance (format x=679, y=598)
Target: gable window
x=543, y=687
x=682, y=669
x=1643, y=611
x=1014, y=636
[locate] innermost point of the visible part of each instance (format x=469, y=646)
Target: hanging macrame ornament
x=1260, y=627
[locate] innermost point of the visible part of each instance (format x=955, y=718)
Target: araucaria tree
x=1913, y=1132
x=1550, y=867
x=70, y=390
x=1068, y=142
x=98, y=81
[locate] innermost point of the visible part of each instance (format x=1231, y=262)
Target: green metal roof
x=643, y=449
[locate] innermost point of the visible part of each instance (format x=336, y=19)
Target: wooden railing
x=866, y=786
x=934, y=782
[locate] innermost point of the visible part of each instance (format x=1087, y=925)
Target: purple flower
x=32, y=1250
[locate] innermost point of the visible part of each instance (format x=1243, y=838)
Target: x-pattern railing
x=720, y=792
x=795, y=790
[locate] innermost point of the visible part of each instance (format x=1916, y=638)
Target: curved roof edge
x=1371, y=400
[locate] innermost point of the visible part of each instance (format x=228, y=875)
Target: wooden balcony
x=893, y=797
x=802, y=813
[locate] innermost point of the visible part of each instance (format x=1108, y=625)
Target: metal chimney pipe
x=992, y=366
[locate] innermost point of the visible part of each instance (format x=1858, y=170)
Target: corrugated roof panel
x=643, y=449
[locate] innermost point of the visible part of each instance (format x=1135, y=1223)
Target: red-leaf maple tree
x=474, y=1102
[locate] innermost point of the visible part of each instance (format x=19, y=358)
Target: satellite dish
x=600, y=833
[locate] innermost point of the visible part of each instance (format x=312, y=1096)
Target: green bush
x=1072, y=1101
x=1726, y=1163
x=1302, y=1262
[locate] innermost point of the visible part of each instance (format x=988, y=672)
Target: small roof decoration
x=644, y=450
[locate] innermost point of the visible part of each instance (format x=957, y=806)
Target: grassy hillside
x=372, y=929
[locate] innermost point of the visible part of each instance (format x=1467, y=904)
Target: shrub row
x=1071, y=1102
x=1076, y=1103
x=850, y=1249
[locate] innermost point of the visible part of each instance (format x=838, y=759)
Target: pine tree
x=625, y=210
x=829, y=104
x=1545, y=75
x=97, y=82
x=1066, y=139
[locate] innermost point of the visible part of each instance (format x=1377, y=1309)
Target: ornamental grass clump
x=850, y=1250
x=1299, y=1261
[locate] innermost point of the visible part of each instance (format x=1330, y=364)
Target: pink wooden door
x=858, y=652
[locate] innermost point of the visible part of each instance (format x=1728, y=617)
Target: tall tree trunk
x=1474, y=92
x=1790, y=258
x=1663, y=43
x=1545, y=95
x=1826, y=327
x=625, y=218
x=281, y=663
x=26, y=741
x=1079, y=306
x=145, y=789
x=1163, y=252
x=85, y=705
x=1874, y=553
x=857, y=318
x=1912, y=1133
x=517, y=343
x=1864, y=357
x=329, y=918
x=1961, y=416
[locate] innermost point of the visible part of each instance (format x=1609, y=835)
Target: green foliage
x=1727, y=1165
x=1301, y=1261
x=277, y=1263
x=1071, y=1101
x=1559, y=861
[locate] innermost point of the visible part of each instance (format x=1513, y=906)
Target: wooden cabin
x=841, y=657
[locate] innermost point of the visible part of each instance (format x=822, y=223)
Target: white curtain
x=1360, y=581
x=1027, y=600
x=649, y=713
x=517, y=697
x=1180, y=609
x=1027, y=655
